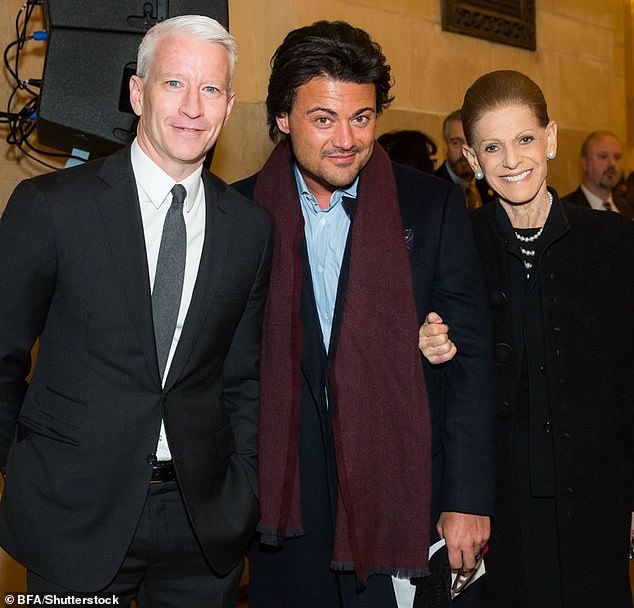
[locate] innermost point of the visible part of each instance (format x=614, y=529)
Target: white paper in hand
x=405, y=591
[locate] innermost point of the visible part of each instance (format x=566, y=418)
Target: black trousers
x=164, y=566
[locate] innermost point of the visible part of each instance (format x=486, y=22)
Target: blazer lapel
x=218, y=230
x=121, y=215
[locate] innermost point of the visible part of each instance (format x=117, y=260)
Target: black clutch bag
x=434, y=591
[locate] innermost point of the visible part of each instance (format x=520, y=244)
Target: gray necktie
x=168, y=281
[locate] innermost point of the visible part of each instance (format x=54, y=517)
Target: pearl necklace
x=530, y=239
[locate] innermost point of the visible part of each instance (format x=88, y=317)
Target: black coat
x=586, y=287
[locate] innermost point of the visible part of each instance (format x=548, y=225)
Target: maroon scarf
x=381, y=420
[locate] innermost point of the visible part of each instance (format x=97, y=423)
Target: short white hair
x=203, y=28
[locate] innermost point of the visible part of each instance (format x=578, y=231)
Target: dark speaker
x=90, y=56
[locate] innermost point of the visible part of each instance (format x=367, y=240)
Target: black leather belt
x=163, y=470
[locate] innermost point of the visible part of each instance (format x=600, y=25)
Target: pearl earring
x=478, y=174
x=551, y=155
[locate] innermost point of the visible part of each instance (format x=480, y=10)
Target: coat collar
x=118, y=205
x=557, y=223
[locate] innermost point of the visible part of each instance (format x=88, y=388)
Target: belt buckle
x=162, y=471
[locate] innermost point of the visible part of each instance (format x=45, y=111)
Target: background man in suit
x=602, y=170
x=456, y=169
x=131, y=459
x=362, y=249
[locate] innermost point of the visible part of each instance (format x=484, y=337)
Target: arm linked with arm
x=467, y=423
x=467, y=427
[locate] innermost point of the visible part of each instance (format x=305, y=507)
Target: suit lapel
x=121, y=216
x=218, y=230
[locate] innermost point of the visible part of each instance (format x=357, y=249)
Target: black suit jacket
x=73, y=271
x=579, y=198
x=447, y=278
x=484, y=190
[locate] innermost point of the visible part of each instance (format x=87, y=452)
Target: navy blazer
x=73, y=272
x=447, y=278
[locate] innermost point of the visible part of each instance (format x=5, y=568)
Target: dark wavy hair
x=332, y=49
x=501, y=88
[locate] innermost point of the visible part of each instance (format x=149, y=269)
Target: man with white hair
x=131, y=458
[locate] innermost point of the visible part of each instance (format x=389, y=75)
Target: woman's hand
x=433, y=340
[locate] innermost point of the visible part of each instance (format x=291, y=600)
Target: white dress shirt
x=596, y=202
x=154, y=188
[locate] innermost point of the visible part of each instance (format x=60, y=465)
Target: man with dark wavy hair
x=352, y=450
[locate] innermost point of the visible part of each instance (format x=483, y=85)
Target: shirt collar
x=157, y=184
x=596, y=202
x=335, y=199
x=456, y=179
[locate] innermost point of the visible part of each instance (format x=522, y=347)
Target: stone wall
x=583, y=50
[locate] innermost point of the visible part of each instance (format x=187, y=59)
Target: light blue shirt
x=326, y=232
